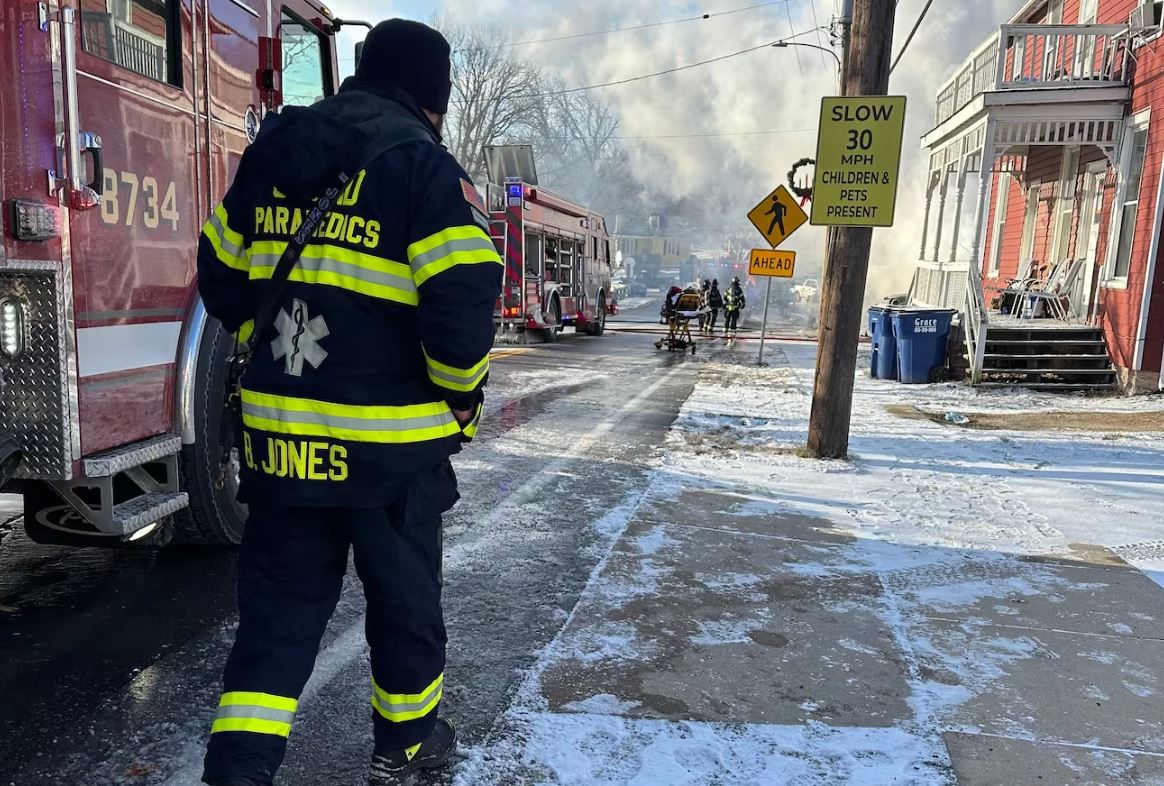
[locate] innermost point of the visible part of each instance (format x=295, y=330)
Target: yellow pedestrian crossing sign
x=778, y=216
x=770, y=262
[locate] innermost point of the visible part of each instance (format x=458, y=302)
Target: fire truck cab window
x=138, y=35
x=304, y=79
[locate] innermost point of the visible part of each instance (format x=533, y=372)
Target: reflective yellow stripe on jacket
x=380, y=424
x=464, y=245
x=338, y=267
x=227, y=244
x=402, y=707
x=470, y=429
x=462, y=380
x=257, y=713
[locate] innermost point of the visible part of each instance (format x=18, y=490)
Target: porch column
x=958, y=209
x=926, y=219
x=944, y=185
x=985, y=186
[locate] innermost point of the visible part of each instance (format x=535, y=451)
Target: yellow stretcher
x=679, y=315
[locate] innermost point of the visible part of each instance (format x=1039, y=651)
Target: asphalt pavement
x=112, y=659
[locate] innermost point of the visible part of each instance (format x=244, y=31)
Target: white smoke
x=770, y=90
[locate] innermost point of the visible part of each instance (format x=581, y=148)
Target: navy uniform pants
x=290, y=574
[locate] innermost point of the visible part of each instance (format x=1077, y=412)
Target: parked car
x=807, y=290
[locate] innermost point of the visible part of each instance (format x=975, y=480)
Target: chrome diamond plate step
x=110, y=462
x=144, y=510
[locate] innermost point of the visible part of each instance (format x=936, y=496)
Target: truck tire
x=598, y=326
x=214, y=517
x=550, y=334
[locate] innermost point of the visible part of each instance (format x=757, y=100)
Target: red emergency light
x=512, y=312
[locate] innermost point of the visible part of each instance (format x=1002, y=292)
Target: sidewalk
x=952, y=606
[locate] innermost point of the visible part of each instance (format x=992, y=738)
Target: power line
x=819, y=34
x=912, y=33
x=667, y=71
x=708, y=135
x=719, y=134
x=700, y=18
x=792, y=29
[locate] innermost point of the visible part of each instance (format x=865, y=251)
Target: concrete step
x=1052, y=387
x=1053, y=336
x=1011, y=356
x=990, y=339
x=1060, y=371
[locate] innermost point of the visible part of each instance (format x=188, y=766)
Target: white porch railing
x=976, y=321
x=1027, y=57
x=957, y=286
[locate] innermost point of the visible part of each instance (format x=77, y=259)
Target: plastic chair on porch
x=1055, y=294
x=1010, y=287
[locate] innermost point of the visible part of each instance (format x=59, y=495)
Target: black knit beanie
x=412, y=56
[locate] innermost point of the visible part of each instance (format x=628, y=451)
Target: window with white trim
x=1127, y=201
x=1065, y=206
x=1153, y=12
x=1030, y=218
x=999, y=229
x=1085, y=46
x=1051, y=53
x=1018, y=60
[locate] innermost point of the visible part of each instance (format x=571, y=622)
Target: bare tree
x=493, y=93
x=575, y=136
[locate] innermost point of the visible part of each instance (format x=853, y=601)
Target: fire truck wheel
x=598, y=326
x=214, y=516
x=550, y=334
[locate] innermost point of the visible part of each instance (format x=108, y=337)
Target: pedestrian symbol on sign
x=777, y=210
x=778, y=216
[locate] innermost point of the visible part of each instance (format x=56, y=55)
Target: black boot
x=396, y=768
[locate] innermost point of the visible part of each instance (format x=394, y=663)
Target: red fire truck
x=121, y=123
x=557, y=262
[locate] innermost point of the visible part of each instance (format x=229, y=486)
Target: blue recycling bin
x=922, y=339
x=884, y=364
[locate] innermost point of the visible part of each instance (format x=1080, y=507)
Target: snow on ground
x=953, y=526
x=924, y=483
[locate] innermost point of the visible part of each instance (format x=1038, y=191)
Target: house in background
x=1045, y=177
x=656, y=242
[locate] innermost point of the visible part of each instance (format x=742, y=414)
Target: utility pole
x=868, y=52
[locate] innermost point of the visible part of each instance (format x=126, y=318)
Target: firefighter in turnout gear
x=734, y=303
x=368, y=380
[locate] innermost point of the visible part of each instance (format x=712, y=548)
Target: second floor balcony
x=1038, y=58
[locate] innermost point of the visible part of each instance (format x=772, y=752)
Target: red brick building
x=1063, y=109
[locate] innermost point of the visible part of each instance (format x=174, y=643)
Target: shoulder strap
x=273, y=293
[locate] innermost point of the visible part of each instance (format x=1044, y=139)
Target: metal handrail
x=977, y=323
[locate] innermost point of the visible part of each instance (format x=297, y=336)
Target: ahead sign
x=858, y=156
x=778, y=264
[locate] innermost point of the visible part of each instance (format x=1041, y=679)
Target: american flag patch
x=473, y=196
